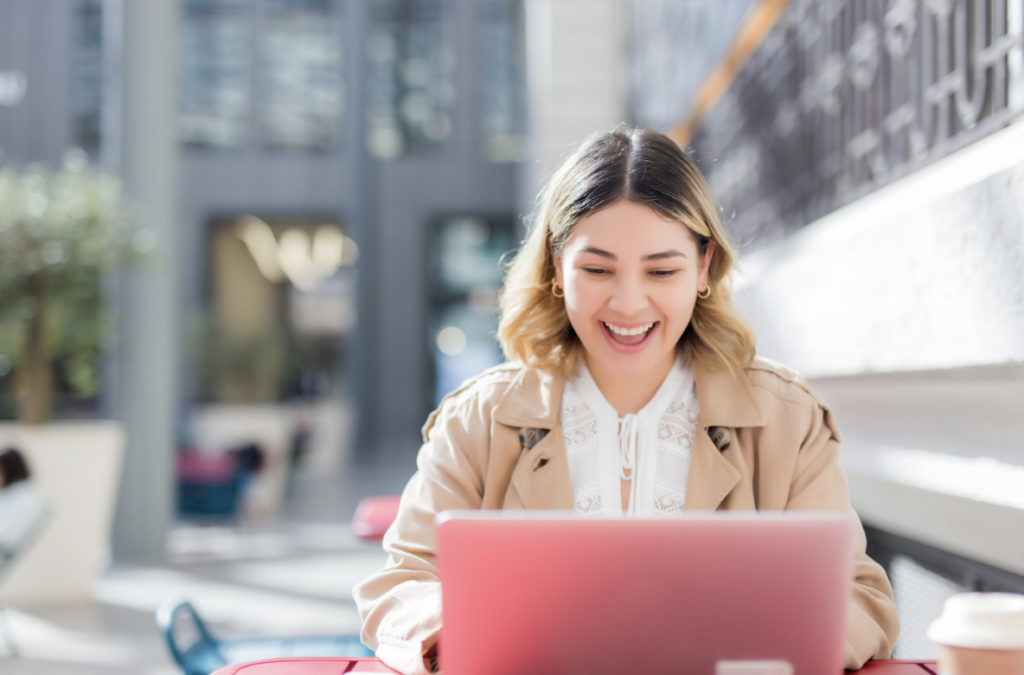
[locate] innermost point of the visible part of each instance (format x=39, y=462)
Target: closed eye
x=596, y=271
x=663, y=274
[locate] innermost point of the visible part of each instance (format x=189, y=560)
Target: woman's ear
x=705, y=266
x=557, y=260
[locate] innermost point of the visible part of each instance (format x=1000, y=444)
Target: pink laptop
x=550, y=593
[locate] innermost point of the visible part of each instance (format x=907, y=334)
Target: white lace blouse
x=653, y=445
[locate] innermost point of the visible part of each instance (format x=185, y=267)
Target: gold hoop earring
x=706, y=293
x=555, y=290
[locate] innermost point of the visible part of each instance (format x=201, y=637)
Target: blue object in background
x=198, y=653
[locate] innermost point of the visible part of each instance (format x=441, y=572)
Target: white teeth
x=629, y=331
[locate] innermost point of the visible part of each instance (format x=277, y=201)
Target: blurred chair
x=208, y=485
x=374, y=516
x=21, y=528
x=199, y=653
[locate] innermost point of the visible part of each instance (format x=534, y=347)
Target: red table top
x=341, y=666
x=306, y=666
x=894, y=667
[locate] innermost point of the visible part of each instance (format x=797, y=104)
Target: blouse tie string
x=629, y=439
x=629, y=429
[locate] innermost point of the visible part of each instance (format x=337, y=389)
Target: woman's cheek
x=590, y=300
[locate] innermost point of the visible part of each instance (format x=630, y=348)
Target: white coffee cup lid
x=981, y=621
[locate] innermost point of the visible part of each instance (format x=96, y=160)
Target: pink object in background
x=374, y=516
x=196, y=467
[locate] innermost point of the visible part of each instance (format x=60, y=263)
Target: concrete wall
x=36, y=39
x=906, y=310
x=576, y=64
x=144, y=387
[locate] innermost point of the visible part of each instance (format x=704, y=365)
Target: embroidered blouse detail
x=650, y=449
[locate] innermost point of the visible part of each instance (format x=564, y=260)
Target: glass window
x=301, y=77
x=502, y=80
x=213, y=94
x=87, y=95
x=464, y=278
x=411, y=78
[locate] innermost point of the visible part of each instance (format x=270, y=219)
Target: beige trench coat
x=781, y=452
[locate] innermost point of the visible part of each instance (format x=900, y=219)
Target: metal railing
x=844, y=96
x=923, y=577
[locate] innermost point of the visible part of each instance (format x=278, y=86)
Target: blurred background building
x=327, y=189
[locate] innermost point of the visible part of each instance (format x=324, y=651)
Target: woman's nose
x=628, y=297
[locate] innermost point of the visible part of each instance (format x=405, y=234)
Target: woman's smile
x=628, y=339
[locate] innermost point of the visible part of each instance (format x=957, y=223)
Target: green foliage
x=61, y=231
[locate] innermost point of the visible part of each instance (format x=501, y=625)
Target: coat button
x=721, y=437
x=530, y=437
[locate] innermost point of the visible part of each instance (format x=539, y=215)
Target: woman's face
x=631, y=279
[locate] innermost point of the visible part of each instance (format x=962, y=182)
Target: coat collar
x=533, y=399
x=726, y=399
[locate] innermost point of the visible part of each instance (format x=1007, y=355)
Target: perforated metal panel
x=920, y=594
x=922, y=578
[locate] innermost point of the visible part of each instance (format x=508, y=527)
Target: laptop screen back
x=551, y=593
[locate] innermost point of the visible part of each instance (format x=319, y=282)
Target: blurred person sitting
x=21, y=507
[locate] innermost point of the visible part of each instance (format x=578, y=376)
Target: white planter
x=76, y=467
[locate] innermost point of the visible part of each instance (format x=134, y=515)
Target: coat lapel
x=531, y=400
x=726, y=400
x=540, y=479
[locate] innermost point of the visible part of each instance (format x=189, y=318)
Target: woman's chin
x=628, y=366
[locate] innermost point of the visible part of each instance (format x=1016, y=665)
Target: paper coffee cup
x=981, y=621
x=980, y=633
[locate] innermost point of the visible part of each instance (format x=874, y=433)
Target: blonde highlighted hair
x=641, y=166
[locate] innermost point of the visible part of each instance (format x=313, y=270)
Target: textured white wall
x=926, y=273
x=906, y=311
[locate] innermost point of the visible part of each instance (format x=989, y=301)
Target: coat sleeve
x=819, y=483
x=401, y=604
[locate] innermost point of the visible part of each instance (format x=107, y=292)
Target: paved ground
x=293, y=576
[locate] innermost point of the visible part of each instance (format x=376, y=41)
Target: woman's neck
x=629, y=394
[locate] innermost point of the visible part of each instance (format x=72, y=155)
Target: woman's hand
x=430, y=656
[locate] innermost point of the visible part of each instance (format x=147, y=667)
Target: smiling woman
x=626, y=178
x=632, y=388
x=631, y=279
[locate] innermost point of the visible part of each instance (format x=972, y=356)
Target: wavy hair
x=645, y=167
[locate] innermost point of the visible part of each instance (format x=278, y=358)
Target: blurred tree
x=59, y=233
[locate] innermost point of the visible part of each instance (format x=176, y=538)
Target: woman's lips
x=628, y=342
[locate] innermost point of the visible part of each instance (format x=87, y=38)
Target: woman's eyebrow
x=599, y=251
x=663, y=255
x=671, y=253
